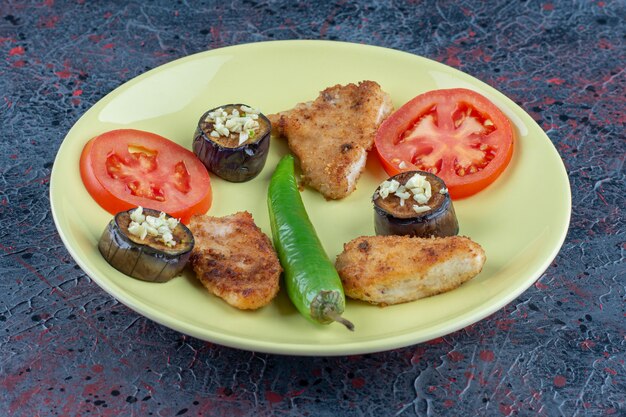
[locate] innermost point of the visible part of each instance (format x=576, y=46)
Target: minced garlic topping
x=417, y=186
x=243, y=121
x=142, y=226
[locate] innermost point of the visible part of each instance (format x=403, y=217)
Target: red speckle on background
x=9, y=382
x=95, y=38
x=587, y=344
x=479, y=54
x=273, y=397
x=18, y=50
x=557, y=81
x=481, y=379
x=148, y=387
x=451, y=56
x=610, y=371
x=358, y=383
x=77, y=92
x=559, y=381
x=97, y=368
x=23, y=400
x=49, y=23
x=63, y=74
x=487, y=356
x=216, y=36
x=436, y=341
x=48, y=3
x=605, y=44
x=19, y=64
x=108, y=46
x=577, y=290
x=448, y=403
x=296, y=393
x=456, y=356
x=91, y=389
x=548, y=7
x=504, y=324
x=417, y=356
x=549, y=100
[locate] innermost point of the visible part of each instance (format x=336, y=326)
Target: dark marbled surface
x=69, y=349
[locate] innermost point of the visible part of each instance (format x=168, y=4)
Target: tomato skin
x=191, y=195
x=437, y=117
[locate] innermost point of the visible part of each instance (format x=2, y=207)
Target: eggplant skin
x=239, y=164
x=141, y=261
x=441, y=221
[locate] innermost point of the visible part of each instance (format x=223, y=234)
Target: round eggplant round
x=433, y=217
x=229, y=157
x=148, y=258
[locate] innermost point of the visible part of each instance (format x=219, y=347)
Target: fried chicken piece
x=396, y=269
x=332, y=135
x=235, y=260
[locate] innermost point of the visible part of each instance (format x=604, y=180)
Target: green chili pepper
x=312, y=281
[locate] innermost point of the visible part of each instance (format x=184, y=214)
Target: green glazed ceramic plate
x=520, y=220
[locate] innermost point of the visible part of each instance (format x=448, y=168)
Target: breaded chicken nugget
x=235, y=260
x=396, y=269
x=332, y=135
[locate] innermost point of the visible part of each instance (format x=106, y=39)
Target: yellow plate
x=520, y=220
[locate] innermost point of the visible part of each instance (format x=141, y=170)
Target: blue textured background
x=69, y=349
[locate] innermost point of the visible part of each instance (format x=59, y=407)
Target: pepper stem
x=331, y=313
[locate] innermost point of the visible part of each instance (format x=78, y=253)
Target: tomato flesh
x=127, y=168
x=457, y=134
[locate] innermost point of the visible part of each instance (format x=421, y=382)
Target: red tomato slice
x=457, y=134
x=126, y=168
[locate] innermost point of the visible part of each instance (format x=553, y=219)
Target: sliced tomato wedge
x=126, y=168
x=457, y=134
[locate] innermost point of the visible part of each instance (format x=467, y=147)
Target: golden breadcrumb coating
x=396, y=269
x=235, y=260
x=332, y=135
